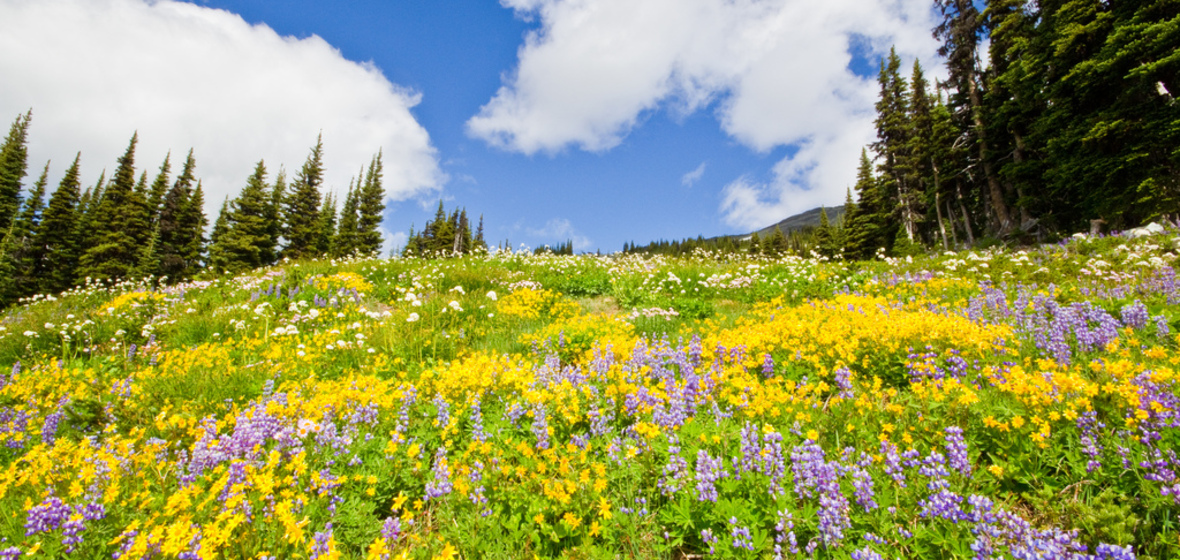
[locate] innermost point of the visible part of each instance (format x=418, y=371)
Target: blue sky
x=597, y=121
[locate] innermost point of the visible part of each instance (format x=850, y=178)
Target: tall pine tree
x=304, y=230
x=58, y=235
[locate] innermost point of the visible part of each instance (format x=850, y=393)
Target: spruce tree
x=274, y=218
x=192, y=224
x=304, y=228
x=244, y=238
x=345, y=243
x=58, y=235
x=755, y=247
x=892, y=146
x=326, y=234
x=171, y=239
x=479, y=243
x=159, y=189
x=121, y=224
x=869, y=229
x=371, y=205
x=24, y=253
x=776, y=246
x=13, y=167
x=824, y=238
x=219, y=254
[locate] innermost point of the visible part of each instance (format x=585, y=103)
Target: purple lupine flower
x=441, y=485
x=710, y=539
x=741, y=535
x=1089, y=426
x=477, y=495
x=540, y=426
x=10, y=553
x=893, y=466
x=1161, y=326
x=391, y=530
x=49, y=428
x=709, y=471
x=675, y=472
x=46, y=516
x=1134, y=315
x=774, y=463
x=321, y=542
x=784, y=530
x=865, y=553
x=72, y=533
x=767, y=366
x=843, y=379
x=444, y=412
x=751, y=450
x=956, y=451
x=863, y=483
x=477, y=432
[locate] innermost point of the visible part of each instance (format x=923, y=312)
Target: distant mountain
x=801, y=221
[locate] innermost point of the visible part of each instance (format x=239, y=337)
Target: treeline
x=826, y=239
x=131, y=227
x=446, y=236
x=1069, y=118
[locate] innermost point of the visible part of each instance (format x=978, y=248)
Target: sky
x=595, y=121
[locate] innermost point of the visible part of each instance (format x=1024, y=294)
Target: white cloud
x=559, y=230
x=393, y=241
x=777, y=71
x=182, y=75
x=690, y=178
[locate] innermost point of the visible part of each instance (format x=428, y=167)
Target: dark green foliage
x=121, y=225
x=13, y=166
x=23, y=254
x=301, y=210
x=371, y=204
x=176, y=224
x=242, y=232
x=869, y=229
x=345, y=242
x=446, y=236
x=59, y=235
x=159, y=189
x=326, y=233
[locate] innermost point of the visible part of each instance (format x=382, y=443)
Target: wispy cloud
x=689, y=179
x=559, y=230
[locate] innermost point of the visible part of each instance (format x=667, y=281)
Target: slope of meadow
x=1009, y=404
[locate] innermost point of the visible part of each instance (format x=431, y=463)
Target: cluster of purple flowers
x=441, y=485
x=709, y=470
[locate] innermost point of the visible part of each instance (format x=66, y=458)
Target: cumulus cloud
x=182, y=75
x=690, y=178
x=559, y=230
x=776, y=72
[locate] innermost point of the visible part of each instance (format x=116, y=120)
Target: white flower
x=455, y=305
x=459, y=289
x=49, y=326
x=412, y=318
x=416, y=303
x=31, y=333
x=313, y=313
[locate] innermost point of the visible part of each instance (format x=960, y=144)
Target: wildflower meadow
x=1003, y=403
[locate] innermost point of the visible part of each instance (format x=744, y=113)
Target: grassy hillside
x=994, y=403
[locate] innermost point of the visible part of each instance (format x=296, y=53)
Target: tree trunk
x=996, y=195
x=951, y=216
x=1018, y=157
x=937, y=208
x=966, y=218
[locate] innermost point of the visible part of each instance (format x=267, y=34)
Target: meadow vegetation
x=986, y=404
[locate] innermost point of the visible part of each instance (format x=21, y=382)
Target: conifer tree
x=755, y=247
x=244, y=238
x=304, y=228
x=13, y=166
x=869, y=229
x=274, y=217
x=219, y=255
x=159, y=189
x=442, y=232
x=171, y=237
x=58, y=235
x=777, y=244
x=345, y=243
x=121, y=224
x=371, y=204
x=326, y=235
x=479, y=243
x=824, y=238
x=892, y=146
x=192, y=224
x=24, y=254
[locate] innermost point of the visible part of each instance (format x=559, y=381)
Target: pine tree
x=870, y=228
x=443, y=233
x=244, y=238
x=58, y=235
x=159, y=189
x=479, y=243
x=776, y=245
x=371, y=205
x=192, y=224
x=25, y=255
x=274, y=217
x=823, y=237
x=755, y=247
x=219, y=254
x=13, y=166
x=960, y=32
x=345, y=243
x=121, y=224
x=304, y=227
x=892, y=146
x=171, y=236
x=326, y=236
